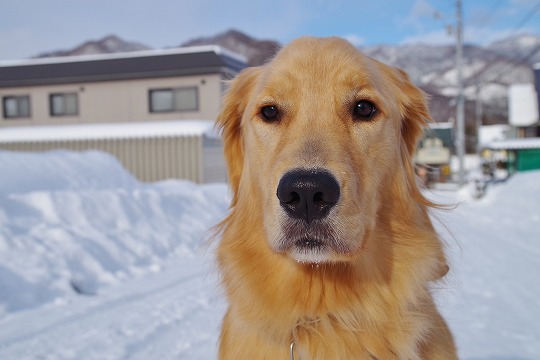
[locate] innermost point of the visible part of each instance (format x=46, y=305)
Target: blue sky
x=29, y=27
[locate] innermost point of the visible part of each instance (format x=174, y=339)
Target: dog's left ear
x=414, y=113
x=414, y=109
x=230, y=122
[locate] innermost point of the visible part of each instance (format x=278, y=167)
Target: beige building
x=153, y=110
x=175, y=84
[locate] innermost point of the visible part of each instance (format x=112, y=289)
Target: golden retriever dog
x=328, y=251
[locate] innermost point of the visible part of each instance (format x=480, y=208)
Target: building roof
x=515, y=144
x=196, y=60
x=443, y=131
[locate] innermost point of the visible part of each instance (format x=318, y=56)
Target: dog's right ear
x=229, y=121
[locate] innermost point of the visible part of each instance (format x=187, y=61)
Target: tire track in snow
x=169, y=306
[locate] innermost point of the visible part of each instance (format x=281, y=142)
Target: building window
x=169, y=100
x=16, y=106
x=64, y=104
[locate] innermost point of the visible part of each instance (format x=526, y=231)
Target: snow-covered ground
x=96, y=265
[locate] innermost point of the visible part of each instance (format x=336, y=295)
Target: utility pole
x=460, y=108
x=479, y=113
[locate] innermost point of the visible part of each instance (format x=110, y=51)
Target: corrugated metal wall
x=213, y=160
x=149, y=159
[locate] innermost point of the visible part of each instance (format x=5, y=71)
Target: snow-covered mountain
x=523, y=46
x=488, y=70
x=108, y=44
x=491, y=68
x=257, y=51
x=434, y=66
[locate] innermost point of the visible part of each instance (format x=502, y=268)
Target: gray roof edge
x=220, y=70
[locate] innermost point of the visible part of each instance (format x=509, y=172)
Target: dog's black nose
x=308, y=194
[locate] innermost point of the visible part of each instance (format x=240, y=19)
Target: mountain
x=106, y=45
x=257, y=51
x=433, y=67
x=524, y=46
x=490, y=70
x=487, y=70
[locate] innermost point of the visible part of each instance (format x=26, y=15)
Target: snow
x=524, y=143
x=491, y=133
x=490, y=91
x=123, y=55
x=108, y=131
x=491, y=299
x=96, y=265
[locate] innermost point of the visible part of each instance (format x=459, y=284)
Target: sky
x=30, y=27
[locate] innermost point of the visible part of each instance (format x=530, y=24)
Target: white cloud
x=355, y=40
x=422, y=8
x=420, y=11
x=472, y=35
x=484, y=36
x=438, y=37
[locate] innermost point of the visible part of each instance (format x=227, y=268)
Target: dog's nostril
x=290, y=199
x=308, y=194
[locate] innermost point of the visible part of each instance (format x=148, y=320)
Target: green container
x=528, y=159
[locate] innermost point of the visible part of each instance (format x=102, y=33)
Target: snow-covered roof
x=107, y=131
x=125, y=55
x=514, y=144
x=441, y=125
x=492, y=133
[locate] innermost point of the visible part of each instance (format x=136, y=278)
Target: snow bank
x=75, y=222
x=61, y=171
x=491, y=297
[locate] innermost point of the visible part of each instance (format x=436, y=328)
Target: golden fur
x=372, y=300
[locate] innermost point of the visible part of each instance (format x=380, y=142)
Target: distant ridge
x=257, y=51
x=107, y=45
x=493, y=67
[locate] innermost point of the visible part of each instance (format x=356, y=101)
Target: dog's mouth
x=315, y=243
x=309, y=244
x=309, y=249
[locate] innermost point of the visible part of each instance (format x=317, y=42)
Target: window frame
x=17, y=98
x=52, y=113
x=175, y=107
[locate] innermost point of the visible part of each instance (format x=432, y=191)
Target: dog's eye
x=270, y=113
x=364, y=110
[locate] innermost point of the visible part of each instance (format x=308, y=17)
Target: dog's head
x=321, y=138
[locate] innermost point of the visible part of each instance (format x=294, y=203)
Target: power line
x=528, y=16
x=487, y=18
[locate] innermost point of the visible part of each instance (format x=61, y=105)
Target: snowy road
x=167, y=315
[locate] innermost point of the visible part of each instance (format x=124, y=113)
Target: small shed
x=519, y=154
x=434, y=153
x=152, y=151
